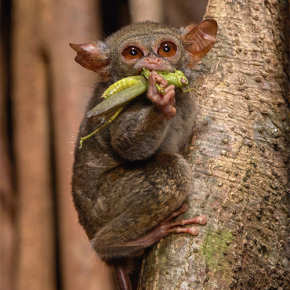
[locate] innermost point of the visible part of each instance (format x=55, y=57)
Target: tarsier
x=129, y=179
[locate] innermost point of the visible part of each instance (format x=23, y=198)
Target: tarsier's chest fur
x=130, y=176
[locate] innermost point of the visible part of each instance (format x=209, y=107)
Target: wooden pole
x=49, y=96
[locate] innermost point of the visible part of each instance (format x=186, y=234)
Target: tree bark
x=240, y=160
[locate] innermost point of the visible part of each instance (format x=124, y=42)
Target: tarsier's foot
x=166, y=228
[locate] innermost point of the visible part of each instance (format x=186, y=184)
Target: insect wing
x=121, y=85
x=119, y=99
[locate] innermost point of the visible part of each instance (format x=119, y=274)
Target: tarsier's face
x=149, y=47
x=157, y=57
x=147, y=44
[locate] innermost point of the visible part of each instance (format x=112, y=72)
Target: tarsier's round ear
x=199, y=39
x=92, y=56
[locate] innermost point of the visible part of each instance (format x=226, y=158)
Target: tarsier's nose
x=152, y=60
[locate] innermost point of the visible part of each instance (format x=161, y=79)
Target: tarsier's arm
x=139, y=131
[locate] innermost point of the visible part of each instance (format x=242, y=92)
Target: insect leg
x=107, y=123
x=191, y=90
x=160, y=90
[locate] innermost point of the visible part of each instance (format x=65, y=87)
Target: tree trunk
x=48, y=96
x=240, y=160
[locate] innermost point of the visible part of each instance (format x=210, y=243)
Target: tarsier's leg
x=148, y=194
x=166, y=228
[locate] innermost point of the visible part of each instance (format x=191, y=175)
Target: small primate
x=129, y=179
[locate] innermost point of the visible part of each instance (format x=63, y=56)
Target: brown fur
x=130, y=176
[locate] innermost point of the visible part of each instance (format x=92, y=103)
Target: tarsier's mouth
x=182, y=78
x=151, y=69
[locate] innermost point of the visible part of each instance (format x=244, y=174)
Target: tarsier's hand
x=164, y=103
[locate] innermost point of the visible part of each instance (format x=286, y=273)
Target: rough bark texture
x=240, y=160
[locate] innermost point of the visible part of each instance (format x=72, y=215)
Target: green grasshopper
x=119, y=95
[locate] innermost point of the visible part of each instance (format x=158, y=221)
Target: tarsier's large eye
x=167, y=49
x=132, y=52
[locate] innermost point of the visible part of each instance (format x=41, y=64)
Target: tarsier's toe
x=193, y=231
x=202, y=219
